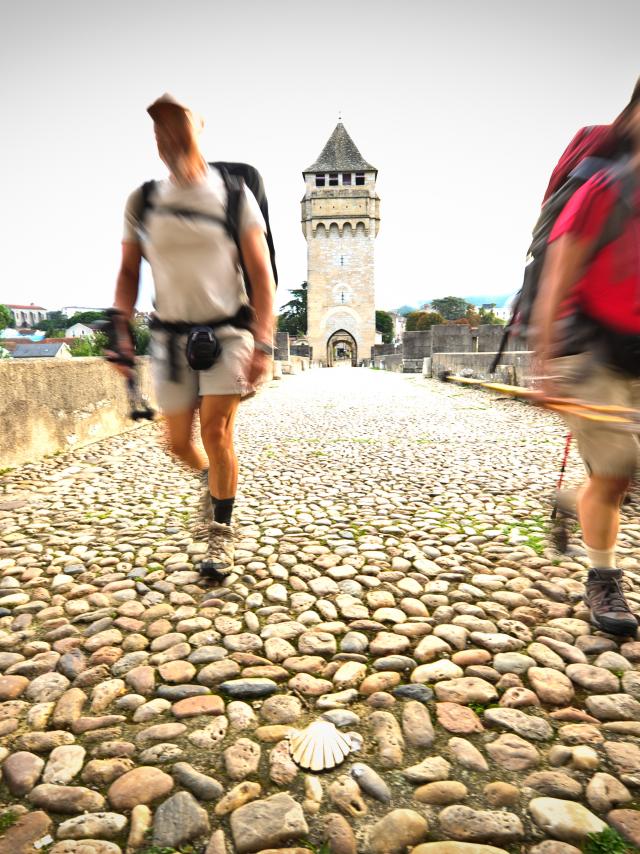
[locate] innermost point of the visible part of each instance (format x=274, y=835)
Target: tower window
x=333, y=179
x=359, y=179
x=320, y=180
x=346, y=179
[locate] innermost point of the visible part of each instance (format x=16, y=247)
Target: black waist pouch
x=619, y=350
x=623, y=351
x=203, y=348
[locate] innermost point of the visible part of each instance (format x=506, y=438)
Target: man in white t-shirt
x=198, y=282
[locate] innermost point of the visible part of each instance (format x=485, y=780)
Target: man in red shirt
x=587, y=341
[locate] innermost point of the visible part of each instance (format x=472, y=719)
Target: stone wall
x=379, y=350
x=417, y=345
x=451, y=339
x=514, y=367
x=282, y=346
x=390, y=363
x=489, y=338
x=441, y=338
x=50, y=405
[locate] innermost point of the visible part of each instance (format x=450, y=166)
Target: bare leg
x=217, y=418
x=180, y=439
x=599, y=510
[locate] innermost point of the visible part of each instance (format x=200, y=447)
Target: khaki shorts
x=605, y=452
x=226, y=376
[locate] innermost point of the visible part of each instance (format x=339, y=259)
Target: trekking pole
x=615, y=417
x=559, y=519
x=139, y=408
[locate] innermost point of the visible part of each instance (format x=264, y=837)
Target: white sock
x=601, y=558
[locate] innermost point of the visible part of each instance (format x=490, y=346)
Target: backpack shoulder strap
x=252, y=179
x=622, y=176
x=234, y=185
x=147, y=190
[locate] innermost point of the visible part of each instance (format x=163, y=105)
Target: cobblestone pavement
x=393, y=578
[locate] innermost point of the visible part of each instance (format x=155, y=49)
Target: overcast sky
x=463, y=105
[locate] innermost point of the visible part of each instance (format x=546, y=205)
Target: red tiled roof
x=36, y=307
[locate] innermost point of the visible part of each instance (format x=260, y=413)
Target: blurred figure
x=586, y=322
x=211, y=345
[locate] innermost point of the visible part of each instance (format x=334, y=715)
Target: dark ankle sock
x=222, y=509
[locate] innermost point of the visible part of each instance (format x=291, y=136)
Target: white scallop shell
x=319, y=747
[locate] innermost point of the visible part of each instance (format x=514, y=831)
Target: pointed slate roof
x=340, y=154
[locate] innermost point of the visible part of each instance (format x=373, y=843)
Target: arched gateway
x=340, y=221
x=342, y=349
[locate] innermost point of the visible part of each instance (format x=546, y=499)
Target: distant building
x=79, y=330
x=27, y=315
x=42, y=351
x=399, y=325
x=505, y=312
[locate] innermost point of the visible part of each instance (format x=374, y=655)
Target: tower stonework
x=340, y=221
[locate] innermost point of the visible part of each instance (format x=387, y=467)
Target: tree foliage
x=451, y=308
x=293, y=317
x=419, y=320
x=55, y=325
x=86, y=317
x=487, y=316
x=141, y=338
x=91, y=345
x=6, y=318
x=384, y=324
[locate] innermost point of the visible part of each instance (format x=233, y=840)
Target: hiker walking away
x=212, y=330
x=586, y=334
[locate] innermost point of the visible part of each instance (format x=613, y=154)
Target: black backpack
x=519, y=323
x=235, y=176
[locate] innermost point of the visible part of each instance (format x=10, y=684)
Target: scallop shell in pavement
x=320, y=746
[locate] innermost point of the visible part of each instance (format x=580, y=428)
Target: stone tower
x=340, y=221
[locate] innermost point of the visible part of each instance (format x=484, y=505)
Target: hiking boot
x=206, y=505
x=610, y=611
x=217, y=563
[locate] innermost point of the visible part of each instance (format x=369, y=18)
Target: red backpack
x=592, y=150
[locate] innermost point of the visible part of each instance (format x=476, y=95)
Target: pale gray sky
x=463, y=105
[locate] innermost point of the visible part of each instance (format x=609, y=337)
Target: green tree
x=6, y=318
x=86, y=317
x=384, y=324
x=412, y=320
x=293, y=317
x=451, y=308
x=141, y=338
x=429, y=319
x=487, y=316
x=91, y=345
x=55, y=325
